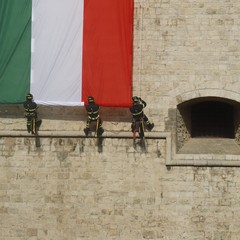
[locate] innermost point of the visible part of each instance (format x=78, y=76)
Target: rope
x=140, y=64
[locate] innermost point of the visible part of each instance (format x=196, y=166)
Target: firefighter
x=93, y=116
x=30, y=111
x=137, y=112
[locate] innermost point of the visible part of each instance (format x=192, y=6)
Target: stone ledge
x=206, y=160
x=194, y=154
x=107, y=134
x=80, y=134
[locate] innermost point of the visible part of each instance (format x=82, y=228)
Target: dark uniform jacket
x=93, y=111
x=137, y=109
x=30, y=108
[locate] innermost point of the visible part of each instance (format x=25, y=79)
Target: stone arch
x=193, y=104
x=219, y=93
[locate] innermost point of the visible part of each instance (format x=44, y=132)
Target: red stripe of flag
x=107, y=52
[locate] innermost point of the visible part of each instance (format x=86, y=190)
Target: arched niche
x=209, y=117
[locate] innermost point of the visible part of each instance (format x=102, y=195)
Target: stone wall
x=66, y=190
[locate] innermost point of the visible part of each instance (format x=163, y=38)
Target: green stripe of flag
x=15, y=50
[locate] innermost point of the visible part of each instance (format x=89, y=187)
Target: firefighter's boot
x=86, y=131
x=100, y=131
x=150, y=126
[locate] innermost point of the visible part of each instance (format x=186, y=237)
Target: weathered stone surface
x=113, y=195
x=67, y=190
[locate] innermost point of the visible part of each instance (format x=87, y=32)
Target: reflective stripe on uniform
x=91, y=118
x=136, y=114
x=93, y=112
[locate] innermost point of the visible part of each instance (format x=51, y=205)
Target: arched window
x=208, y=117
x=207, y=133
x=212, y=119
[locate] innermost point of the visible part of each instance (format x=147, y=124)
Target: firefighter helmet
x=29, y=96
x=135, y=99
x=90, y=99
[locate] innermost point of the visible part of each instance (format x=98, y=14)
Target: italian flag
x=63, y=51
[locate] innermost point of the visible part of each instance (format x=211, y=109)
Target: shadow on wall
x=66, y=113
